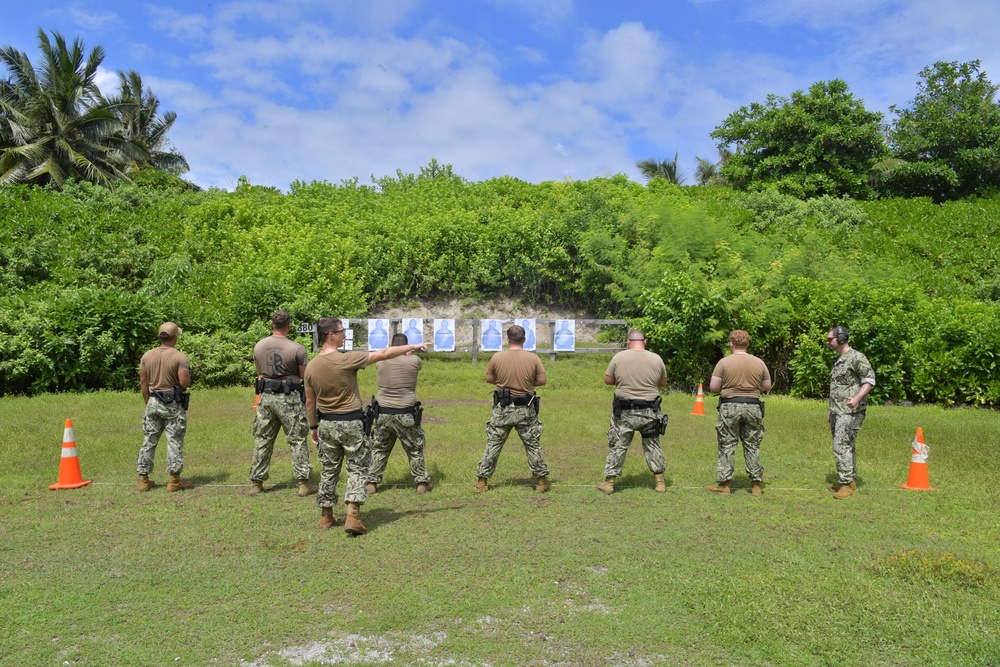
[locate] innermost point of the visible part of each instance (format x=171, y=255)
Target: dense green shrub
x=88, y=273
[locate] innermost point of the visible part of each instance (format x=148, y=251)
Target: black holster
x=371, y=412
x=418, y=414
x=182, y=397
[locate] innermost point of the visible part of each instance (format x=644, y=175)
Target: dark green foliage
x=823, y=142
x=947, y=142
x=88, y=273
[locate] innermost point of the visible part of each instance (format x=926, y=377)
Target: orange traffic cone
x=918, y=479
x=69, y=464
x=257, y=399
x=699, y=402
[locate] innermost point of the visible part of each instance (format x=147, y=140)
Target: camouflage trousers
x=339, y=441
x=275, y=412
x=844, y=429
x=739, y=421
x=157, y=418
x=503, y=419
x=645, y=420
x=384, y=433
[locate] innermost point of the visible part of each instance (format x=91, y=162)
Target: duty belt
x=625, y=404
x=357, y=415
x=743, y=399
x=382, y=410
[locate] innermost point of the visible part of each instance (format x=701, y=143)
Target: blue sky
x=535, y=89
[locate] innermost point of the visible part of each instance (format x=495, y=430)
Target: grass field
x=106, y=575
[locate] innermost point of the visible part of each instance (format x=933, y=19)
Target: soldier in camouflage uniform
x=739, y=379
x=398, y=417
x=638, y=376
x=851, y=379
x=516, y=372
x=164, y=376
x=281, y=365
x=337, y=422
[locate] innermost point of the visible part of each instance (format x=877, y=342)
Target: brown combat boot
x=721, y=487
x=256, y=488
x=661, y=484
x=844, y=491
x=423, y=487
x=482, y=484
x=177, y=484
x=306, y=489
x=371, y=488
x=755, y=488
x=836, y=487
x=326, y=518
x=542, y=484
x=145, y=483
x=352, y=524
x=607, y=486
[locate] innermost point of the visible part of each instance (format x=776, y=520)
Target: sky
x=540, y=90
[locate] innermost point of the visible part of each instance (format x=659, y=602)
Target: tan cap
x=169, y=330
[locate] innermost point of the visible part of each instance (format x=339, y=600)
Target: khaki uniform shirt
x=637, y=374
x=277, y=357
x=516, y=370
x=742, y=375
x=333, y=377
x=397, y=381
x=161, y=365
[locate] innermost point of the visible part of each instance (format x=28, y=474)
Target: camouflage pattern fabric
x=275, y=412
x=339, y=441
x=384, y=433
x=849, y=372
x=844, y=429
x=739, y=421
x=620, y=438
x=503, y=419
x=157, y=418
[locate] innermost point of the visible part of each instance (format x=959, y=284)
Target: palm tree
x=668, y=170
x=137, y=108
x=56, y=123
x=708, y=172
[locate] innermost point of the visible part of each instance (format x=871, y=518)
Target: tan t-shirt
x=637, y=374
x=742, y=375
x=397, y=381
x=277, y=357
x=333, y=377
x=161, y=365
x=516, y=370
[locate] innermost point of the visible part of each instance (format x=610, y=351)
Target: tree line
x=945, y=144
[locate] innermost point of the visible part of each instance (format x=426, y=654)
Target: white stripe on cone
x=68, y=452
x=68, y=434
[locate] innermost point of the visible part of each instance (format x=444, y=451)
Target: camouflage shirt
x=850, y=371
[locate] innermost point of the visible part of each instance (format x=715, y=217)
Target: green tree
x=137, y=109
x=666, y=169
x=58, y=126
x=818, y=142
x=946, y=144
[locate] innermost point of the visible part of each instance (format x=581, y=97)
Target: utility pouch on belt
x=418, y=413
x=259, y=385
x=501, y=397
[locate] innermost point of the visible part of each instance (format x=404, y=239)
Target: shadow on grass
x=217, y=478
x=377, y=518
x=831, y=478
x=640, y=481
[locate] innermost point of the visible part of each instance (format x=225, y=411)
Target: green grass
x=106, y=575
